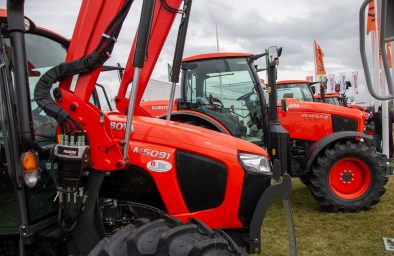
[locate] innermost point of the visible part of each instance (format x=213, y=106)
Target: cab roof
x=216, y=55
x=292, y=82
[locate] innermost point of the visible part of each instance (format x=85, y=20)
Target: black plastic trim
x=253, y=187
x=202, y=181
x=340, y=124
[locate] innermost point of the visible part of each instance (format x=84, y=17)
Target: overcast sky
x=248, y=25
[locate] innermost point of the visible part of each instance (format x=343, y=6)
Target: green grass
x=322, y=233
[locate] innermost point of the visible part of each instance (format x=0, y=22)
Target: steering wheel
x=213, y=100
x=43, y=125
x=246, y=96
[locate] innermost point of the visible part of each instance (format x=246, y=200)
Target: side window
x=42, y=54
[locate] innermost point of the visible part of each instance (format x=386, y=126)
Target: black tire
x=199, y=124
x=305, y=180
x=374, y=164
x=166, y=237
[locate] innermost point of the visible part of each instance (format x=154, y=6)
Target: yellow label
x=273, y=151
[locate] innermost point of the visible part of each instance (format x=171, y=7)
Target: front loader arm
x=93, y=19
x=164, y=16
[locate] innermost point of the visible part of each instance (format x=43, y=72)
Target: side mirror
x=273, y=55
x=387, y=35
x=313, y=89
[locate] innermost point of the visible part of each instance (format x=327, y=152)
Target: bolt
x=348, y=182
x=350, y=171
x=256, y=240
x=352, y=179
x=352, y=174
x=118, y=164
x=344, y=182
x=341, y=174
x=341, y=179
x=256, y=250
x=73, y=107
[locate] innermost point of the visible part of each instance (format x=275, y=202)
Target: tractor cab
x=296, y=89
x=225, y=87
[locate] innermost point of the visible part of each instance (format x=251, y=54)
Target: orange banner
x=319, y=63
x=371, y=18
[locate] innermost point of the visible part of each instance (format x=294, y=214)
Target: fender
x=319, y=145
x=191, y=116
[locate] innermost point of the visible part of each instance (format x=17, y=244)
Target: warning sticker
x=159, y=166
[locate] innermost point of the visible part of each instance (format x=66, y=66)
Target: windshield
x=332, y=100
x=224, y=89
x=299, y=92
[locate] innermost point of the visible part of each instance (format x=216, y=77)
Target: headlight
x=256, y=163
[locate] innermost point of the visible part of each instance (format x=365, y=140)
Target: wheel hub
x=349, y=178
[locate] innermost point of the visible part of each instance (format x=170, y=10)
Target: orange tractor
x=329, y=150
x=76, y=180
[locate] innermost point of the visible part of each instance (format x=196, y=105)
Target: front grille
x=340, y=123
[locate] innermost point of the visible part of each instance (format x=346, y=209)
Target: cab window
x=225, y=89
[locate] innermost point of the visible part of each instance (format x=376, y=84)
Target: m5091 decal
x=152, y=153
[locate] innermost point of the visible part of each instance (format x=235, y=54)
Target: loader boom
x=93, y=18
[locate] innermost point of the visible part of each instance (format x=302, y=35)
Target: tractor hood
x=180, y=136
x=317, y=107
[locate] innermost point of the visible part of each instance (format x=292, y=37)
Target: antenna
x=217, y=37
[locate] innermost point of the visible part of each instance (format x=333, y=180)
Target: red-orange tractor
x=75, y=178
x=329, y=150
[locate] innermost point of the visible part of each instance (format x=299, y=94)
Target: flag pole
x=314, y=58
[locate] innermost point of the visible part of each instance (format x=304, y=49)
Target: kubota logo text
x=117, y=126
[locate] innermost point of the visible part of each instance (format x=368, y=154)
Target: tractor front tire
x=348, y=176
x=305, y=180
x=161, y=237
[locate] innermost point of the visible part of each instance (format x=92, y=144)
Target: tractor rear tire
x=348, y=176
x=170, y=238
